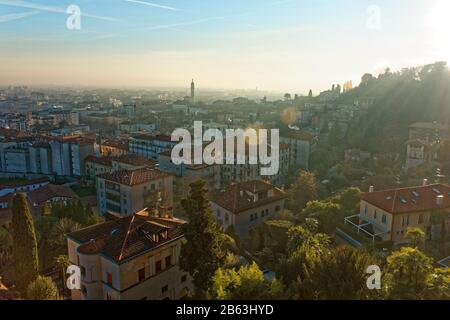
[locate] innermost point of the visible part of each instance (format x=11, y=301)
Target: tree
x=415, y=236
x=310, y=94
x=339, y=274
x=408, y=275
x=327, y=213
x=248, y=283
x=62, y=262
x=25, y=253
x=303, y=191
x=59, y=231
x=202, y=253
x=43, y=288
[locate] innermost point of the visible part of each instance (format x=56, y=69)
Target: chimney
x=440, y=200
x=371, y=189
x=425, y=182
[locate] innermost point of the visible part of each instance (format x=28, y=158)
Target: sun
x=439, y=21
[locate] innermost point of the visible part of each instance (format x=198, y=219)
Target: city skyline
x=271, y=45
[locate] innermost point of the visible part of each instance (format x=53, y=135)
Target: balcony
x=366, y=228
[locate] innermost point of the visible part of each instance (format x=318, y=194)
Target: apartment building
x=130, y=258
x=301, y=145
x=150, y=146
x=41, y=158
x=122, y=192
x=386, y=215
x=246, y=205
x=113, y=148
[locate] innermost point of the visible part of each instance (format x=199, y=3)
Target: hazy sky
x=273, y=45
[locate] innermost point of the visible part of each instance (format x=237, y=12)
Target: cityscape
x=248, y=150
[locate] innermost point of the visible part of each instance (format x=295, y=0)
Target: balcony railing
x=366, y=227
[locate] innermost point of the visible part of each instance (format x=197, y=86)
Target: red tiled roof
x=50, y=191
x=238, y=197
x=134, y=177
x=407, y=200
x=136, y=160
x=127, y=237
x=106, y=161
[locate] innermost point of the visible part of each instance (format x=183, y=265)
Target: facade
x=150, y=146
x=41, y=158
x=131, y=258
x=113, y=148
x=122, y=192
x=423, y=143
x=386, y=215
x=80, y=150
x=302, y=145
x=69, y=155
x=244, y=206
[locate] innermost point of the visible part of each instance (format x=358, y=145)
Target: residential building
x=386, y=215
x=41, y=158
x=302, y=145
x=122, y=192
x=246, y=205
x=113, y=148
x=130, y=258
x=150, y=146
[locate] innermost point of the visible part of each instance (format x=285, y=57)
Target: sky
x=277, y=45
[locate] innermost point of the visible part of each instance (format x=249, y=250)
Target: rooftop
x=133, y=177
x=413, y=199
x=127, y=237
x=240, y=197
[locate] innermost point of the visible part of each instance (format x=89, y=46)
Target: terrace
x=366, y=228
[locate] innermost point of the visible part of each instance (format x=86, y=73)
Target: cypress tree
x=203, y=252
x=25, y=254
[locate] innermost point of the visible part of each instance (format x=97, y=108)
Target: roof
x=298, y=135
x=127, y=237
x=50, y=191
x=133, y=177
x=407, y=200
x=22, y=183
x=135, y=160
x=429, y=125
x=239, y=197
x=115, y=144
x=106, y=161
x=150, y=137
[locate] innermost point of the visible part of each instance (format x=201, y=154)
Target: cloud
x=36, y=6
x=16, y=16
x=151, y=4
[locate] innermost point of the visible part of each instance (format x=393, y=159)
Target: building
x=131, y=258
x=386, y=215
x=246, y=205
x=301, y=145
x=80, y=150
x=122, y=192
x=41, y=158
x=423, y=143
x=150, y=146
x=113, y=148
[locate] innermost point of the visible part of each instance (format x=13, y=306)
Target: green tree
x=248, y=283
x=415, y=236
x=303, y=191
x=327, y=213
x=58, y=234
x=42, y=288
x=339, y=274
x=25, y=253
x=409, y=272
x=203, y=252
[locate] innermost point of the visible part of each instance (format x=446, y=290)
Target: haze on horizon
x=276, y=45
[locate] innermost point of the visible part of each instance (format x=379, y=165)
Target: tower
x=192, y=91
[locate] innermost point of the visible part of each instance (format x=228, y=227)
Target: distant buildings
x=122, y=192
x=131, y=258
x=424, y=141
x=301, y=145
x=244, y=206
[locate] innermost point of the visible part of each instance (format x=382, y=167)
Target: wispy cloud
x=151, y=4
x=36, y=6
x=17, y=16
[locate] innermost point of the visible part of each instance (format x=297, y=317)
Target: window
x=277, y=208
x=365, y=210
x=141, y=275
x=109, y=278
x=168, y=261
x=183, y=278
x=384, y=219
x=165, y=289
x=375, y=214
x=84, y=290
x=421, y=219
x=158, y=266
x=251, y=217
